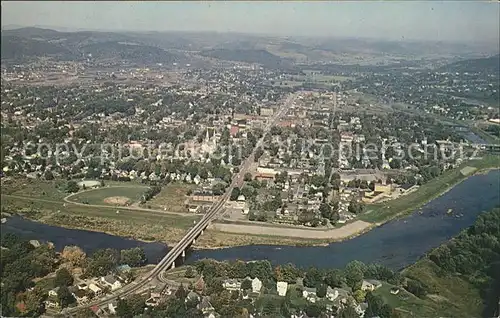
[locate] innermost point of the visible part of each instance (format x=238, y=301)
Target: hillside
x=461, y=277
x=488, y=65
x=129, y=51
x=14, y=47
x=248, y=56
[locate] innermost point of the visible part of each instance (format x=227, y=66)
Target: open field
x=171, y=197
x=110, y=195
x=48, y=207
x=382, y=212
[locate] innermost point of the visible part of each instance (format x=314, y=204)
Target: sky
x=462, y=21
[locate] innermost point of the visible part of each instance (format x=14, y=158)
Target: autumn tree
x=74, y=255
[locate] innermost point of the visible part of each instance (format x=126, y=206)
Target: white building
x=256, y=285
x=282, y=288
x=111, y=281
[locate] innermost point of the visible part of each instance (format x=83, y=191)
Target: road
x=195, y=231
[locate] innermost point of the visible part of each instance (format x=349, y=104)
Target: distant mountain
x=129, y=51
x=487, y=65
x=14, y=47
x=38, y=42
x=248, y=56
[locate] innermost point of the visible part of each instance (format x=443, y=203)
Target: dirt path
x=343, y=232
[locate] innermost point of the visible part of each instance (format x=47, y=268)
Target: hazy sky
x=446, y=20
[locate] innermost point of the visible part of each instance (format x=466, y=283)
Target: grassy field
x=144, y=225
x=381, y=212
x=98, y=196
x=34, y=188
x=42, y=201
x=450, y=296
x=172, y=197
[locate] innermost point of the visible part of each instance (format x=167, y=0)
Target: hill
x=487, y=65
x=39, y=42
x=130, y=51
x=248, y=56
x=461, y=278
x=15, y=47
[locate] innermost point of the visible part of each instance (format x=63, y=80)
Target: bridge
x=178, y=252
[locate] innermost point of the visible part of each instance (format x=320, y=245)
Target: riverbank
x=238, y=234
x=152, y=225
x=389, y=210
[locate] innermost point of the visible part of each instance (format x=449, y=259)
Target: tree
x=133, y=257
x=375, y=304
x=359, y=295
x=190, y=273
x=246, y=284
x=123, y=309
x=181, y=292
x=75, y=255
x=335, y=278
x=48, y=175
x=313, y=277
x=34, y=301
x=321, y=290
x=248, y=177
x=64, y=297
x=72, y=186
x=313, y=310
x=234, y=194
x=355, y=206
x=85, y=313
x=348, y=312
x=354, y=273
x=102, y=262
x=63, y=278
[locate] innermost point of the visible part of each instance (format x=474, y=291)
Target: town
x=179, y=143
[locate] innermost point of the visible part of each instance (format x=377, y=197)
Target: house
x=111, y=282
x=152, y=301
x=98, y=311
x=256, y=285
x=342, y=295
x=81, y=296
x=35, y=243
x=82, y=286
x=51, y=302
x=282, y=288
x=112, y=307
x=361, y=308
x=192, y=296
x=309, y=294
x=394, y=290
x=95, y=289
x=53, y=292
x=231, y=284
x=205, y=306
x=125, y=268
x=331, y=293
x=370, y=285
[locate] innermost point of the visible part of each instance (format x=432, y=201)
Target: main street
x=177, y=251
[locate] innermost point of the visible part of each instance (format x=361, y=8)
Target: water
x=395, y=244
x=87, y=240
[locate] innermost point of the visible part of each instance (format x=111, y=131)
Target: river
x=395, y=244
x=89, y=241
